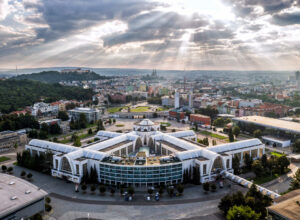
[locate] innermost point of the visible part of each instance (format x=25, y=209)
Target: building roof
x=271, y=122
x=287, y=205
x=235, y=145
x=146, y=122
x=24, y=193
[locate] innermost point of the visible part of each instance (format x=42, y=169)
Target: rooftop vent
x=27, y=191
x=13, y=198
x=11, y=183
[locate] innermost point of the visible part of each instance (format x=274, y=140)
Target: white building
x=177, y=99
x=168, y=156
x=91, y=115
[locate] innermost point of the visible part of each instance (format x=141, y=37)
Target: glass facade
x=113, y=174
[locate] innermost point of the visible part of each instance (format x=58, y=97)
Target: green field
x=140, y=109
x=120, y=125
x=2, y=159
x=159, y=109
x=213, y=135
x=166, y=124
x=276, y=154
x=114, y=109
x=265, y=179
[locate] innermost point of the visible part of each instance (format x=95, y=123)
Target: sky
x=161, y=34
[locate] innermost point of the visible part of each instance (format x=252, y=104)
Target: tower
x=176, y=99
x=191, y=99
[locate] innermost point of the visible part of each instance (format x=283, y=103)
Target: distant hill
x=17, y=94
x=55, y=76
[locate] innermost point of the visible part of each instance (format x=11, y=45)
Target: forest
x=56, y=77
x=17, y=94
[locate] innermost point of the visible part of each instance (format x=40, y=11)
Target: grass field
x=120, y=125
x=159, y=109
x=213, y=135
x=114, y=109
x=166, y=124
x=265, y=179
x=140, y=109
x=2, y=159
x=276, y=154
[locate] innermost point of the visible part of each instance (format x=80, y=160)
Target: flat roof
x=11, y=186
x=287, y=206
x=271, y=122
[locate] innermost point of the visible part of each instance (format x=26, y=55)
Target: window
x=204, y=169
x=77, y=169
x=227, y=163
x=66, y=165
x=56, y=163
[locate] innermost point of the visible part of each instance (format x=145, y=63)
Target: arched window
x=65, y=165
x=217, y=164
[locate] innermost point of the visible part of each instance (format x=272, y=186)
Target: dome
x=146, y=122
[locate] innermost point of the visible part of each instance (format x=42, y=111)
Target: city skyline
x=169, y=34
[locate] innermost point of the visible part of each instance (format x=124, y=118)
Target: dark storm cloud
x=68, y=16
x=286, y=19
x=155, y=25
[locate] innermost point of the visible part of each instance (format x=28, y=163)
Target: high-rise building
x=191, y=99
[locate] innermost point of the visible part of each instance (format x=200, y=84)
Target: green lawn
x=213, y=135
x=159, y=109
x=166, y=124
x=114, y=109
x=119, y=125
x=265, y=179
x=276, y=154
x=2, y=159
x=140, y=109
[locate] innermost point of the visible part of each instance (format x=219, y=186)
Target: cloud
x=289, y=18
x=212, y=36
x=4, y=9
x=156, y=25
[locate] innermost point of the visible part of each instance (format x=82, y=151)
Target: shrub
x=29, y=175
x=206, y=187
x=112, y=191
x=161, y=190
x=130, y=190
x=150, y=191
x=4, y=168
x=23, y=173
x=93, y=188
x=48, y=207
x=180, y=188
x=121, y=191
x=10, y=169
x=83, y=187
x=48, y=200
x=213, y=187
x=102, y=189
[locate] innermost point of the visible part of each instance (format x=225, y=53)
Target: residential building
x=200, y=119
x=9, y=139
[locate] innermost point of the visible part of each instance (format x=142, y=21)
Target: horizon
x=151, y=34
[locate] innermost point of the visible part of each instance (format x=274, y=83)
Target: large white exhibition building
x=145, y=156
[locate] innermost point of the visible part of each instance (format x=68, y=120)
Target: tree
x=43, y=135
x=77, y=142
x=295, y=183
x=225, y=204
x=242, y=213
x=45, y=128
x=257, y=168
x=90, y=131
x=10, y=169
x=236, y=131
x=100, y=125
x=257, y=133
x=236, y=164
x=54, y=129
x=230, y=135
x=264, y=161
x=63, y=115
x=82, y=121
x=296, y=146
x=283, y=163
x=248, y=161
